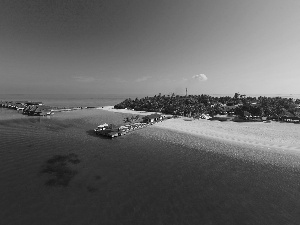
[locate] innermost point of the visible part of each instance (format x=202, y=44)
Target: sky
x=149, y=47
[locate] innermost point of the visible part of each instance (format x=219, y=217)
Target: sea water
x=69, y=100
x=56, y=171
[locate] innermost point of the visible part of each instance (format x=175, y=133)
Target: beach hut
x=153, y=118
x=247, y=114
x=204, y=116
x=102, y=126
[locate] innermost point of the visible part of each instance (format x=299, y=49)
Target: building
x=153, y=118
x=292, y=119
x=42, y=110
x=230, y=106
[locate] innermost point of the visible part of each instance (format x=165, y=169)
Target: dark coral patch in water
x=92, y=189
x=59, y=169
x=57, y=159
x=98, y=177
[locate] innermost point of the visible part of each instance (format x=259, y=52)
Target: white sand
x=111, y=109
x=274, y=135
x=284, y=136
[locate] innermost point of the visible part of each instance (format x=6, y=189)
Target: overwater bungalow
x=42, y=111
x=37, y=110
x=27, y=109
x=77, y=108
x=6, y=104
x=111, y=130
x=31, y=111
x=20, y=105
x=34, y=103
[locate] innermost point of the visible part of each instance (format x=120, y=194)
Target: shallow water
x=151, y=176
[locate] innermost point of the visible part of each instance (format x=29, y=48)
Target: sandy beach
x=127, y=111
x=274, y=135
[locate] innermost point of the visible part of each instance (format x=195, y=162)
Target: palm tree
x=131, y=119
x=134, y=118
x=127, y=120
x=195, y=104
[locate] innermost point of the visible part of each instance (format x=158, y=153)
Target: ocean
x=56, y=171
x=69, y=100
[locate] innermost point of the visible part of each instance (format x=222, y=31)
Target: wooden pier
x=27, y=107
x=34, y=108
x=112, y=131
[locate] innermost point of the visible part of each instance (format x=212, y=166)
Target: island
x=240, y=107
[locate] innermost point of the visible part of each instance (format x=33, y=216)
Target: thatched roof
x=153, y=116
x=43, y=108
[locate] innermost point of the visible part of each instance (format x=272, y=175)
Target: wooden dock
x=112, y=131
x=35, y=108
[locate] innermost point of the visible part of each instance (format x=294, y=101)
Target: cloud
x=200, y=77
x=84, y=79
x=141, y=79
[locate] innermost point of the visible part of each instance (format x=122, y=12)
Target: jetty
x=31, y=108
x=112, y=131
x=28, y=107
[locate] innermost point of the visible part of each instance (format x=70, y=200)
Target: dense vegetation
x=195, y=105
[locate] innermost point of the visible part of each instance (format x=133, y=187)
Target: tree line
x=196, y=105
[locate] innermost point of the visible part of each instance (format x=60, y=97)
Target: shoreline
x=125, y=111
x=267, y=136
x=262, y=141
x=278, y=136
